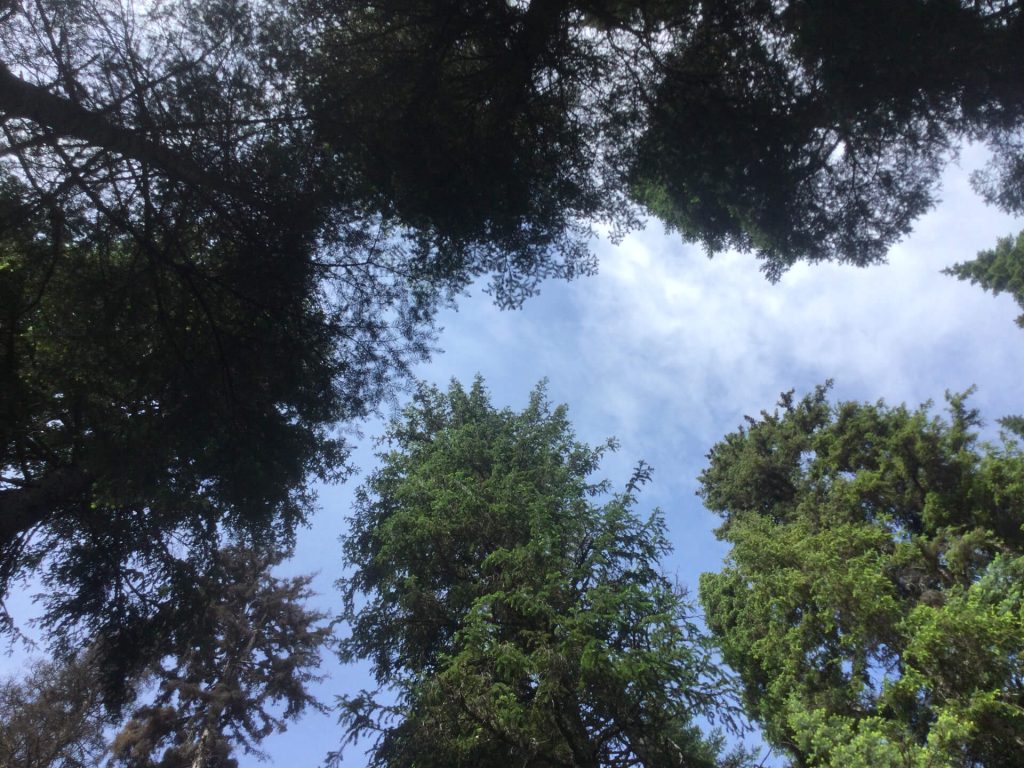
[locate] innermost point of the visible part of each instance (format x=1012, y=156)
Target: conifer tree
x=512, y=606
x=873, y=598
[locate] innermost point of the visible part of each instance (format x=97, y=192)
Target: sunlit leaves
x=871, y=598
x=512, y=606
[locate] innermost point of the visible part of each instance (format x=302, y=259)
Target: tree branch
x=21, y=509
x=67, y=119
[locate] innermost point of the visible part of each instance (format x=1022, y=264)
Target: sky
x=667, y=350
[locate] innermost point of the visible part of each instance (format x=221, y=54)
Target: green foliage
x=192, y=296
x=226, y=227
x=1000, y=270
x=511, y=616
x=872, y=598
x=254, y=210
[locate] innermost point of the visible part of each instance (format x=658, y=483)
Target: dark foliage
x=54, y=717
x=226, y=227
x=799, y=130
x=232, y=674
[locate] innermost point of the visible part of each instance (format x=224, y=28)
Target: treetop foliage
x=238, y=671
x=512, y=606
x=871, y=601
x=798, y=130
x=53, y=717
x=817, y=130
x=998, y=270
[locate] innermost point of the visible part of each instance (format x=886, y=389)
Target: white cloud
x=690, y=342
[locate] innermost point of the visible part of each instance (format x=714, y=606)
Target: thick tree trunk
x=66, y=119
x=22, y=509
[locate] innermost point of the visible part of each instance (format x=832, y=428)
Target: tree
x=998, y=270
x=54, y=717
x=191, y=302
x=466, y=121
x=512, y=616
x=816, y=130
x=872, y=599
x=234, y=669
x=234, y=674
x=143, y=419
x=255, y=209
x=171, y=361
x=799, y=130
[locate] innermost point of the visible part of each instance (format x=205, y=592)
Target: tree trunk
x=67, y=119
x=22, y=509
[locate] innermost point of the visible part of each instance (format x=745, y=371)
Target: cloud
x=677, y=341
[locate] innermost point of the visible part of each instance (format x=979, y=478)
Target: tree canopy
x=193, y=296
x=253, y=211
x=147, y=414
x=513, y=607
x=817, y=130
x=798, y=130
x=871, y=601
x=226, y=227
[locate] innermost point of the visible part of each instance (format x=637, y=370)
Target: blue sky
x=667, y=350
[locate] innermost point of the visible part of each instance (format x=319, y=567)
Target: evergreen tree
x=873, y=599
x=54, y=717
x=514, y=609
x=227, y=226
x=191, y=298
x=800, y=130
x=233, y=669
x=235, y=672
x=998, y=270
